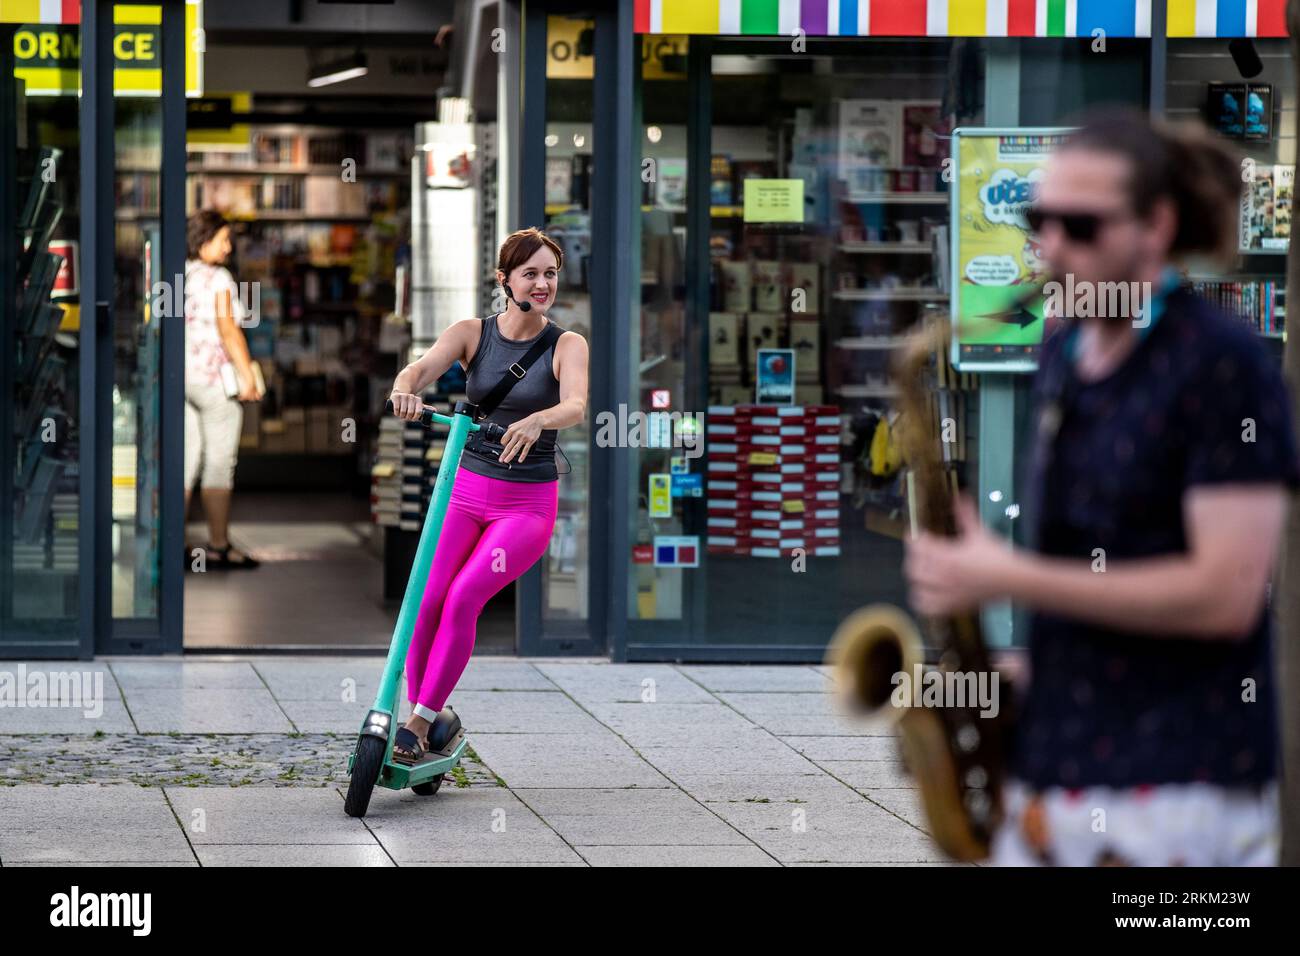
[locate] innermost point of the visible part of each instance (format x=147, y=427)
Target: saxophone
x=955, y=754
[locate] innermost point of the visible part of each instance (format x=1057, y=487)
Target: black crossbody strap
x=517, y=371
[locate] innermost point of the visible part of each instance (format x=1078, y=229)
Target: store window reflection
x=137, y=359
x=665, y=366
x=826, y=244
x=39, y=328
x=569, y=74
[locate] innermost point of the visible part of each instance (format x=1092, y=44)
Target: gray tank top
x=538, y=389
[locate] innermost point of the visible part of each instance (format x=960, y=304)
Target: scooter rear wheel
x=430, y=788
x=365, y=773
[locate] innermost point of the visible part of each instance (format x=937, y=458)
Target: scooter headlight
x=377, y=723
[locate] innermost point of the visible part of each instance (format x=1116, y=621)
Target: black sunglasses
x=1077, y=226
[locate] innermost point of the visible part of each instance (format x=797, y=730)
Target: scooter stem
x=386, y=698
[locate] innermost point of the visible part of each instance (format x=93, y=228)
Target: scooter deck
x=398, y=776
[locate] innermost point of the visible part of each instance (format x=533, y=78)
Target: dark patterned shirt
x=1198, y=401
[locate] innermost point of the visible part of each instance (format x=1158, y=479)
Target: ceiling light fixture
x=336, y=71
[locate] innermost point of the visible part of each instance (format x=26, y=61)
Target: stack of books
x=773, y=477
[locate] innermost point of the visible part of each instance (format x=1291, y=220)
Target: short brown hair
x=1198, y=173
x=200, y=228
x=520, y=246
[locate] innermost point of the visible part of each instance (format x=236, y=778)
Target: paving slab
x=795, y=713
x=763, y=755
x=61, y=697
x=109, y=716
x=792, y=788
x=630, y=817
x=581, y=761
x=471, y=825
x=829, y=830
x=297, y=855
x=327, y=717
x=870, y=774
x=521, y=712
x=695, y=721
x=676, y=856
x=819, y=748
x=759, y=678
x=266, y=815
x=89, y=823
x=190, y=674
x=486, y=673
x=322, y=679
x=631, y=683
x=189, y=710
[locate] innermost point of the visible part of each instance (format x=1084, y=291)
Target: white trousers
x=1193, y=824
x=212, y=426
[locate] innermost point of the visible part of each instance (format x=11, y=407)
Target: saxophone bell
x=870, y=647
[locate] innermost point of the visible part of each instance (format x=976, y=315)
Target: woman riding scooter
x=529, y=376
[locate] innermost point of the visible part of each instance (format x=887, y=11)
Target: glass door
x=570, y=74
x=41, y=461
x=775, y=289
x=560, y=600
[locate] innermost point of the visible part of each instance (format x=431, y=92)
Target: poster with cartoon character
x=997, y=266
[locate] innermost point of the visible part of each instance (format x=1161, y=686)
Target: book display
x=44, y=492
x=321, y=224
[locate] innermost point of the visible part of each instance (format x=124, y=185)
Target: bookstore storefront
x=795, y=220
x=75, y=356
x=756, y=200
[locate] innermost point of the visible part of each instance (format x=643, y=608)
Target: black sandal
x=407, y=748
x=220, y=557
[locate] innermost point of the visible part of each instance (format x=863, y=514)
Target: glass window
x=828, y=188
x=568, y=220
x=39, y=387
x=137, y=359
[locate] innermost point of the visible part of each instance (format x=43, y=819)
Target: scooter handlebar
x=491, y=430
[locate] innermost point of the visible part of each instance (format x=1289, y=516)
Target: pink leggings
x=494, y=531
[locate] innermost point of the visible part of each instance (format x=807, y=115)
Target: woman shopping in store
x=219, y=374
x=503, y=504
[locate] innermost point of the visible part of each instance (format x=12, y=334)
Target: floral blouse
x=204, y=351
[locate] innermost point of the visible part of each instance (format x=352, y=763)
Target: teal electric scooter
x=371, y=762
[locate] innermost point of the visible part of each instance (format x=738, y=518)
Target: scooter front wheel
x=365, y=773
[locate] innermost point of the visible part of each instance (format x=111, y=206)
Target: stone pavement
x=212, y=761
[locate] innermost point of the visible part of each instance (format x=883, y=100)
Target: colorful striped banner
x=1059, y=18
x=47, y=12
x=1227, y=18
x=989, y=18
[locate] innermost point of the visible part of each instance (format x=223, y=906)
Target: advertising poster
x=998, y=320
x=660, y=495
x=775, y=377
x=1266, y=208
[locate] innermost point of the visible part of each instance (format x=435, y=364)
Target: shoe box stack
x=773, y=480
x=398, y=492
x=437, y=442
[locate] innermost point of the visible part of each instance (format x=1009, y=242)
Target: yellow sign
x=569, y=47
x=212, y=122
x=773, y=200
x=47, y=57
x=661, y=491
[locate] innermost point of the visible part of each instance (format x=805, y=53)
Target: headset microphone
x=523, y=306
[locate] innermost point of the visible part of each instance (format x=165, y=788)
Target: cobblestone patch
x=198, y=760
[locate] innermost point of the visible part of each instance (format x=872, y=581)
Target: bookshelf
x=321, y=220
